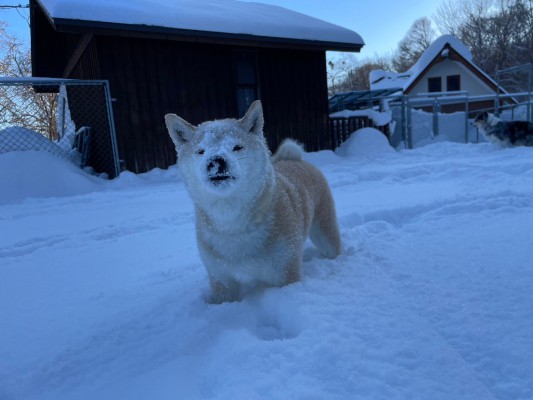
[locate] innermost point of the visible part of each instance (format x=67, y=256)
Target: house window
x=435, y=84
x=246, y=77
x=453, y=83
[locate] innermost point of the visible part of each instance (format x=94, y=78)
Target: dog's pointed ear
x=253, y=119
x=180, y=131
x=485, y=114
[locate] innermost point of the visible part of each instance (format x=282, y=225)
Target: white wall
x=469, y=81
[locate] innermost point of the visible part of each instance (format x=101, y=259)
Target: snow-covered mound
x=378, y=118
x=320, y=158
x=18, y=138
x=365, y=143
x=26, y=174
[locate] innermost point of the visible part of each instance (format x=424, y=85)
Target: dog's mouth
x=219, y=179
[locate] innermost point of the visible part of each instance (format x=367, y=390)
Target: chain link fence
x=422, y=119
x=69, y=118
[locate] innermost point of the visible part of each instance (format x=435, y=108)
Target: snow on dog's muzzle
x=217, y=170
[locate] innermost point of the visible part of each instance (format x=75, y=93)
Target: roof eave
x=159, y=32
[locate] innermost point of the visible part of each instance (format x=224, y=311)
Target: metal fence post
x=405, y=133
x=111, y=119
x=436, y=111
x=409, y=126
x=467, y=137
x=497, y=98
x=63, y=122
x=529, y=116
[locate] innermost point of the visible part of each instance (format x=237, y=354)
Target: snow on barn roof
x=380, y=79
x=231, y=17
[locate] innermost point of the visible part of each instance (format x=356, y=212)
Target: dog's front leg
x=224, y=291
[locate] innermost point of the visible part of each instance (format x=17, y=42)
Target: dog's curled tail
x=289, y=150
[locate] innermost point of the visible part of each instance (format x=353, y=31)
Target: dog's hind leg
x=325, y=230
x=292, y=270
x=326, y=239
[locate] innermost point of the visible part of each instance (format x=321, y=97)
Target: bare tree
x=417, y=39
x=338, y=70
x=452, y=15
x=21, y=104
x=358, y=77
x=499, y=33
x=449, y=17
x=523, y=32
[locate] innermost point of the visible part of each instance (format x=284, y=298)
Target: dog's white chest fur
x=245, y=257
x=236, y=241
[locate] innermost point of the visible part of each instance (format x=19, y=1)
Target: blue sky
x=17, y=19
x=381, y=23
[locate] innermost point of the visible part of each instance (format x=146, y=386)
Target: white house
x=446, y=66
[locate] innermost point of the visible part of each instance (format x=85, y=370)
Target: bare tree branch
x=21, y=105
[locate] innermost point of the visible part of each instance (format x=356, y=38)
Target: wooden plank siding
x=149, y=78
x=293, y=90
x=87, y=67
x=47, y=60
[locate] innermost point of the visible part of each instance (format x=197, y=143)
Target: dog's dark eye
x=200, y=152
x=237, y=147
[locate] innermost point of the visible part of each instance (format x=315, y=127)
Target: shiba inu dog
x=504, y=133
x=253, y=211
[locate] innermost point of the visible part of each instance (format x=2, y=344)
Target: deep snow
x=102, y=290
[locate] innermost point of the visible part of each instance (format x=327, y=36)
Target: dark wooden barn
x=197, y=74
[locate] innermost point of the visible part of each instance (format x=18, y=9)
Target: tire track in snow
x=503, y=202
x=76, y=239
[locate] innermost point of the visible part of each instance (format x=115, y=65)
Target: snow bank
x=322, y=157
x=18, y=138
x=451, y=128
x=34, y=174
x=365, y=143
x=379, y=118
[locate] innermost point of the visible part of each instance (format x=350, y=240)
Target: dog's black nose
x=217, y=165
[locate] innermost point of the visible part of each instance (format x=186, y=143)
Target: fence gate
x=71, y=119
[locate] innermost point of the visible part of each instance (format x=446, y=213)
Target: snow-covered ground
x=102, y=293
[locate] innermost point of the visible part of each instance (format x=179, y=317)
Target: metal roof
x=360, y=99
